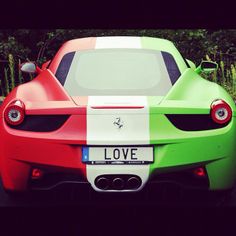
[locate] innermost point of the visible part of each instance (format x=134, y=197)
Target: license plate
x=117, y=155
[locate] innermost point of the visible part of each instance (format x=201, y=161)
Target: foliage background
x=17, y=46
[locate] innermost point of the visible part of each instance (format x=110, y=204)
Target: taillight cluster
x=15, y=113
x=221, y=112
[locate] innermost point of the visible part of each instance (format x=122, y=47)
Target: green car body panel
x=176, y=149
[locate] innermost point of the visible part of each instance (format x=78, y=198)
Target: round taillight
x=15, y=113
x=221, y=112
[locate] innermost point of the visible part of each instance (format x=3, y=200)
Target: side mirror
x=28, y=67
x=207, y=67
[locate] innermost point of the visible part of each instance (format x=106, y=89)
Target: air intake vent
x=193, y=122
x=42, y=123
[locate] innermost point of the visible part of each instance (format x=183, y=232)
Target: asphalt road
x=75, y=195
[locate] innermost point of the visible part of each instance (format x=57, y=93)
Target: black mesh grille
x=193, y=122
x=42, y=123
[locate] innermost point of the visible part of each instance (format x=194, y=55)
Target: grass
x=12, y=71
x=226, y=77
x=12, y=76
x=6, y=80
x=1, y=88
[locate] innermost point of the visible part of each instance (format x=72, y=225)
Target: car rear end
x=121, y=119
x=119, y=147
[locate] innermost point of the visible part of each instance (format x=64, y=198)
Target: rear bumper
x=54, y=178
x=213, y=149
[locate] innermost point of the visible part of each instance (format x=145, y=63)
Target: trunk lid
x=126, y=120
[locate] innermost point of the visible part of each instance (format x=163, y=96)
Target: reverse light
x=199, y=172
x=221, y=112
x=36, y=173
x=15, y=113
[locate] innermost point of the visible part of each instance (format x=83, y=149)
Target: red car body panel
x=51, y=147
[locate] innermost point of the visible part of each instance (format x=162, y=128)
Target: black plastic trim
x=41, y=123
x=184, y=178
x=53, y=179
x=194, y=122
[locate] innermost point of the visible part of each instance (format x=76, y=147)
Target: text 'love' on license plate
x=117, y=155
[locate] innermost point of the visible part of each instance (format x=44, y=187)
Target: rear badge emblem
x=118, y=123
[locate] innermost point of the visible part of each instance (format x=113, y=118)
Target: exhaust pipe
x=102, y=183
x=118, y=183
x=134, y=183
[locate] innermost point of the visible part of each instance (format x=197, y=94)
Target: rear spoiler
x=54, y=108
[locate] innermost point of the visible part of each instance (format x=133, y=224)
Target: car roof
x=90, y=43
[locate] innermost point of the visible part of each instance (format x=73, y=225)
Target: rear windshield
x=117, y=72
